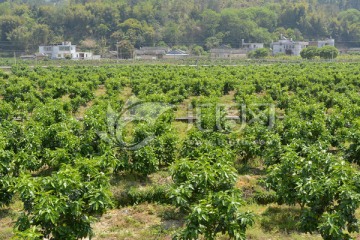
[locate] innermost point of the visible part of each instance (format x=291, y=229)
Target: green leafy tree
x=125, y=49
x=214, y=173
x=197, y=50
x=21, y=36
x=64, y=204
x=310, y=52
x=259, y=53
x=328, y=52
x=325, y=188
x=210, y=20
x=8, y=24
x=219, y=212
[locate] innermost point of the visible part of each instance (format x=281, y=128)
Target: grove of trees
x=25, y=24
x=301, y=123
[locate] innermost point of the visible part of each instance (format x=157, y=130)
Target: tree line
x=99, y=25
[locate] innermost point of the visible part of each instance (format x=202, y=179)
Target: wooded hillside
x=99, y=24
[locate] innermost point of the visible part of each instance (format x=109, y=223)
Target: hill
x=99, y=25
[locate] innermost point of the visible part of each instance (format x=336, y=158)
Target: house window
x=64, y=48
x=48, y=49
x=59, y=55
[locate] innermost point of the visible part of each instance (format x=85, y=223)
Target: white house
x=176, y=54
x=251, y=46
x=86, y=56
x=59, y=51
x=64, y=50
x=288, y=47
x=327, y=42
x=227, y=52
x=151, y=53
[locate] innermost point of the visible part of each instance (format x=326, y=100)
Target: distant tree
x=310, y=52
x=264, y=17
x=259, y=53
x=40, y=34
x=161, y=44
x=214, y=41
x=21, y=37
x=171, y=33
x=197, y=50
x=87, y=44
x=8, y=24
x=328, y=52
x=261, y=35
x=125, y=49
x=210, y=22
x=236, y=27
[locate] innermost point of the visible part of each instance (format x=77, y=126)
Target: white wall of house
x=288, y=47
x=66, y=49
x=83, y=55
x=252, y=46
x=328, y=42
x=59, y=51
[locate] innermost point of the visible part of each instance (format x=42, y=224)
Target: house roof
x=41, y=55
x=289, y=42
x=247, y=44
x=151, y=51
x=228, y=51
x=27, y=56
x=177, y=52
x=154, y=48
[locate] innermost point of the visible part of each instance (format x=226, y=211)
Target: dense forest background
x=99, y=24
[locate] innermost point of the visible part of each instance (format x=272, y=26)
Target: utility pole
x=117, y=52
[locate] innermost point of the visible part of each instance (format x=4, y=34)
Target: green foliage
x=300, y=121
x=123, y=25
x=196, y=178
x=197, y=50
x=133, y=195
x=64, y=204
x=217, y=213
x=328, y=52
x=203, y=186
x=259, y=53
x=352, y=152
x=325, y=188
x=310, y=52
x=125, y=49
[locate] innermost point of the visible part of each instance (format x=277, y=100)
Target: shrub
x=217, y=213
x=310, y=52
x=326, y=188
x=259, y=53
x=328, y=52
x=64, y=204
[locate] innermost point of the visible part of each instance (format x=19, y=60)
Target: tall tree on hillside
x=8, y=24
